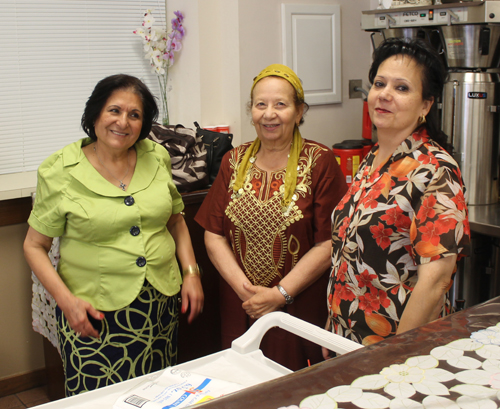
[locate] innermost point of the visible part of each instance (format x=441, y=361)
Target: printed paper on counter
x=175, y=389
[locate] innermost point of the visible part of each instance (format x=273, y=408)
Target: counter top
x=333, y=378
x=485, y=219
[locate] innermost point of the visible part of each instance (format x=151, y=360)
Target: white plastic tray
x=243, y=363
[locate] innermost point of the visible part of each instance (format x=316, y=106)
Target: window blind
x=52, y=53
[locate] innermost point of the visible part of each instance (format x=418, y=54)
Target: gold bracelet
x=191, y=270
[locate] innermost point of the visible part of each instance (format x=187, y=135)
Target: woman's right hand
x=77, y=312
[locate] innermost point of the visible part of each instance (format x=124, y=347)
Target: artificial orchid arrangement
x=159, y=48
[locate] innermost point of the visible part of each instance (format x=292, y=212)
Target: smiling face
x=395, y=100
x=274, y=112
x=120, y=122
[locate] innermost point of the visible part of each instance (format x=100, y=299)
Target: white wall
x=205, y=78
x=229, y=42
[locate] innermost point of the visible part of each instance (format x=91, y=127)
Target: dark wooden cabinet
x=202, y=336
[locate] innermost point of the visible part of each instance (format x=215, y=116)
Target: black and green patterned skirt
x=136, y=340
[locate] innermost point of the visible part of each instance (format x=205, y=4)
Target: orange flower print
x=445, y=223
x=430, y=233
x=403, y=223
x=381, y=235
x=377, y=188
x=420, y=136
x=343, y=227
x=396, y=217
x=459, y=199
x=424, y=159
x=370, y=201
x=466, y=227
x=391, y=215
x=341, y=204
x=370, y=302
x=353, y=189
x=427, y=209
x=345, y=199
x=343, y=292
x=365, y=279
x=341, y=272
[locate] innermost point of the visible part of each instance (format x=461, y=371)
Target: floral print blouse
x=410, y=211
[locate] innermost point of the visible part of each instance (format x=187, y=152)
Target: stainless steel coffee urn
x=470, y=120
x=470, y=105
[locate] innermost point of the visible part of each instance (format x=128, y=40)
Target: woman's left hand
x=192, y=296
x=264, y=300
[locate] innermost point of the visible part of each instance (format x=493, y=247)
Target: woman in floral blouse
x=400, y=229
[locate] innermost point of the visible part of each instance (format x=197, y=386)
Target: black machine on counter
x=467, y=35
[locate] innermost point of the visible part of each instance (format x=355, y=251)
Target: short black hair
x=434, y=76
x=103, y=91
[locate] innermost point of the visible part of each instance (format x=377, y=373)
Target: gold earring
x=422, y=120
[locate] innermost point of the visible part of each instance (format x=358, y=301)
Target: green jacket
x=111, y=240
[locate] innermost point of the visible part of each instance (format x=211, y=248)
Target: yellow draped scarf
x=282, y=71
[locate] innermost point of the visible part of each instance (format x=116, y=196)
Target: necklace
x=122, y=185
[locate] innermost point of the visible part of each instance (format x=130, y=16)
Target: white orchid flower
x=148, y=20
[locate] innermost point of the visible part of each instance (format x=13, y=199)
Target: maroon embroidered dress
x=268, y=243
x=410, y=212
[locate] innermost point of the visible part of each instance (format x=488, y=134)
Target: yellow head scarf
x=282, y=71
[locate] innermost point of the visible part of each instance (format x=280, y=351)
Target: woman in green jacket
x=111, y=199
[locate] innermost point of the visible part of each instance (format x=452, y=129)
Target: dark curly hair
x=103, y=91
x=434, y=76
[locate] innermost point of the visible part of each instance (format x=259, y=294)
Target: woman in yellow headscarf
x=267, y=220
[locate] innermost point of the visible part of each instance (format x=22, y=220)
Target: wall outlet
x=355, y=84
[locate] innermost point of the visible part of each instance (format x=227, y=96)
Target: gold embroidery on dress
x=293, y=249
x=260, y=223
